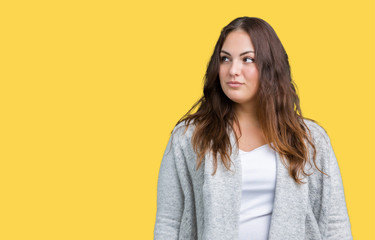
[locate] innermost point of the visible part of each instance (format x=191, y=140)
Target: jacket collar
x=222, y=200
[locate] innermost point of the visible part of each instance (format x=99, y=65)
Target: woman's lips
x=235, y=84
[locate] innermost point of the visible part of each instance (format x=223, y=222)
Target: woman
x=247, y=164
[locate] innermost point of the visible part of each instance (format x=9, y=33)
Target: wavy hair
x=277, y=104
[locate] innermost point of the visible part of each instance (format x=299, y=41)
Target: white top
x=258, y=191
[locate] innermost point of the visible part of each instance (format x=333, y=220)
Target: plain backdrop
x=90, y=91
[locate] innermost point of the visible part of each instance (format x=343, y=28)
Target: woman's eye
x=249, y=59
x=224, y=59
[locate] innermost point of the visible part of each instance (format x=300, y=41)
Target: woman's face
x=238, y=73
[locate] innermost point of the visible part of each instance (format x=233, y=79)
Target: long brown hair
x=277, y=103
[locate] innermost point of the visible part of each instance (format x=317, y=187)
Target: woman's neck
x=246, y=116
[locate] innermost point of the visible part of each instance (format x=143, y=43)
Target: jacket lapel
x=289, y=209
x=222, y=197
x=222, y=200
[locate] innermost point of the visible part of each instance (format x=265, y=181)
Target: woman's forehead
x=237, y=42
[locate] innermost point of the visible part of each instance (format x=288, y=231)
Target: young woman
x=247, y=165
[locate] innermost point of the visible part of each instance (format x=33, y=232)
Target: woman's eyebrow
x=240, y=54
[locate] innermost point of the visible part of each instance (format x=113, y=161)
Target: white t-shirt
x=258, y=191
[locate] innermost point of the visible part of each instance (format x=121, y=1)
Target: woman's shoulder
x=183, y=131
x=322, y=142
x=317, y=131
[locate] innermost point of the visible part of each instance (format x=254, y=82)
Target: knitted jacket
x=194, y=205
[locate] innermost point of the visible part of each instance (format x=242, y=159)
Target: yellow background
x=90, y=91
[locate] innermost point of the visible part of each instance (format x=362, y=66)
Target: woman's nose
x=235, y=68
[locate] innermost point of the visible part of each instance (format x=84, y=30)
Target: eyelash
x=222, y=58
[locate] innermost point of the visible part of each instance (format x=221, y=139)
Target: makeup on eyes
x=223, y=57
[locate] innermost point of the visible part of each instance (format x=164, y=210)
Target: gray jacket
x=193, y=204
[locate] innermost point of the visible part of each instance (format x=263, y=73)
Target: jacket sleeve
x=170, y=198
x=338, y=224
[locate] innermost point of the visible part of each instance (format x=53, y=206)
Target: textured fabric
x=258, y=192
x=194, y=204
